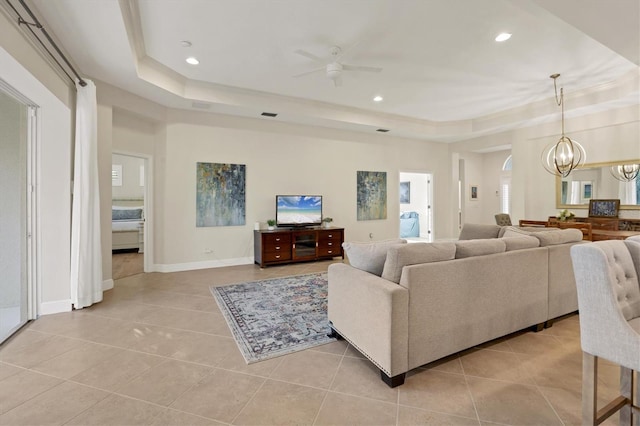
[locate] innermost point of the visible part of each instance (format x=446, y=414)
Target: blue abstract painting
x=372, y=195
x=220, y=194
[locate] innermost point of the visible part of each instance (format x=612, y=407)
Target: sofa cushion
x=369, y=257
x=561, y=236
x=521, y=242
x=547, y=236
x=403, y=255
x=483, y=247
x=475, y=231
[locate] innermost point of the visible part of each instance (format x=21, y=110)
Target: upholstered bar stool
x=606, y=275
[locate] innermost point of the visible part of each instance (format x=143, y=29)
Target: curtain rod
x=38, y=25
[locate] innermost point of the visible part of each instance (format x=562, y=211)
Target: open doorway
x=416, y=206
x=129, y=214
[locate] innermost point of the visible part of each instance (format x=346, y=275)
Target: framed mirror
x=595, y=181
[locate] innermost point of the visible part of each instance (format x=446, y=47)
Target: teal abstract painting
x=372, y=195
x=220, y=194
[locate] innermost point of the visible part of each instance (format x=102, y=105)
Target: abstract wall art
x=372, y=195
x=220, y=194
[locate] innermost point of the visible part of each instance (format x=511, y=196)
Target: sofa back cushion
x=475, y=231
x=547, y=236
x=469, y=248
x=520, y=243
x=400, y=256
x=370, y=257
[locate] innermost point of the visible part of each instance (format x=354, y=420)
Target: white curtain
x=86, y=253
x=627, y=192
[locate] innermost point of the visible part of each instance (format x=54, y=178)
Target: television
x=298, y=210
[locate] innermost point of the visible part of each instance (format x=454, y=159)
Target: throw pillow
x=403, y=255
x=369, y=257
x=512, y=231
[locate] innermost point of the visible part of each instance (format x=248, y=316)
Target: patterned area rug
x=276, y=317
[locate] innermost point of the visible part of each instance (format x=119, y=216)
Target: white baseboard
x=55, y=307
x=190, y=266
x=107, y=284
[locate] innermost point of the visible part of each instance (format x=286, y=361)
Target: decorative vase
x=326, y=224
x=270, y=228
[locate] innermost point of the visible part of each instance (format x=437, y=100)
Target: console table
x=296, y=245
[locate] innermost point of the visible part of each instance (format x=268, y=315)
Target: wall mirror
x=595, y=181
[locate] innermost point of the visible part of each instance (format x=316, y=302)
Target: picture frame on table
x=604, y=208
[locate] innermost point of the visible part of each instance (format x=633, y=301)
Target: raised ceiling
x=443, y=77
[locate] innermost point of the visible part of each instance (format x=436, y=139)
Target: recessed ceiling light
x=503, y=37
x=378, y=98
x=192, y=61
x=185, y=43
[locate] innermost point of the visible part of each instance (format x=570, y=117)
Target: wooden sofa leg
x=394, y=381
x=548, y=323
x=334, y=334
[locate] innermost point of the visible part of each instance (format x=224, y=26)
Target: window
x=505, y=187
x=116, y=175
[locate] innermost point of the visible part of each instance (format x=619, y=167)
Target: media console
x=296, y=245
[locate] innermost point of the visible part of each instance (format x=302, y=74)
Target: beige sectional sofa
x=429, y=300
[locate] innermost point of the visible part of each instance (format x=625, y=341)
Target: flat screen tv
x=298, y=210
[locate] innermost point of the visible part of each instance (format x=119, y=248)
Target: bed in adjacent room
x=127, y=225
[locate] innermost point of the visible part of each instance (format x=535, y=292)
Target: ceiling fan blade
x=309, y=55
x=360, y=68
x=302, y=74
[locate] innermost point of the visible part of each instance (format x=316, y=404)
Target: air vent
x=382, y=130
x=269, y=114
x=201, y=105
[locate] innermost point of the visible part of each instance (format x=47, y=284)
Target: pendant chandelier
x=625, y=172
x=561, y=157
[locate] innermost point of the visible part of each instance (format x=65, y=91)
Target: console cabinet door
x=304, y=245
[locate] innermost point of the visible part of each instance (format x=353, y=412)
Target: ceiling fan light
x=191, y=60
x=377, y=98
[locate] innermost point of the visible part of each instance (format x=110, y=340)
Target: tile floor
x=158, y=351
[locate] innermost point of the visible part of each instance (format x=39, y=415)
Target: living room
x=293, y=157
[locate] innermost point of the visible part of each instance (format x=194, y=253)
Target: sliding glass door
x=14, y=200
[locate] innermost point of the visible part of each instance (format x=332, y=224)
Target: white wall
x=131, y=187
x=606, y=136
x=53, y=185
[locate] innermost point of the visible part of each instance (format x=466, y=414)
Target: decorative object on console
x=604, y=208
x=372, y=195
x=220, y=194
x=271, y=223
x=561, y=157
x=565, y=215
x=326, y=222
x=625, y=172
x=276, y=317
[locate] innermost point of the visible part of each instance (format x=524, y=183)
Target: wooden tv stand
x=297, y=245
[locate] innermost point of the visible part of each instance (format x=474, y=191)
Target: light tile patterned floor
x=158, y=351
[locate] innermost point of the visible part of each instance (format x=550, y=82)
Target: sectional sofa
x=405, y=305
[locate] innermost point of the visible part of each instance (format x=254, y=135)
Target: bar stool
x=606, y=275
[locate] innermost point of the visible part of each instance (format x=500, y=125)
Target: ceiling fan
x=334, y=68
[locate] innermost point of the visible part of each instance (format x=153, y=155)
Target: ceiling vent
x=382, y=130
x=269, y=114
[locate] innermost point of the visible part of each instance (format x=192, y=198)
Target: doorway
x=129, y=204
x=17, y=133
x=416, y=206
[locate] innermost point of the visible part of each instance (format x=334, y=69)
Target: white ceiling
x=444, y=77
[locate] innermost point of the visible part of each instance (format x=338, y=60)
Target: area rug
x=275, y=317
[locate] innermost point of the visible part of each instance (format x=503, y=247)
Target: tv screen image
x=298, y=210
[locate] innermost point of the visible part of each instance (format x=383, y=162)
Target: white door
x=14, y=213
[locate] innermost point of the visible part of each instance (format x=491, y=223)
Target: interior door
x=14, y=244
